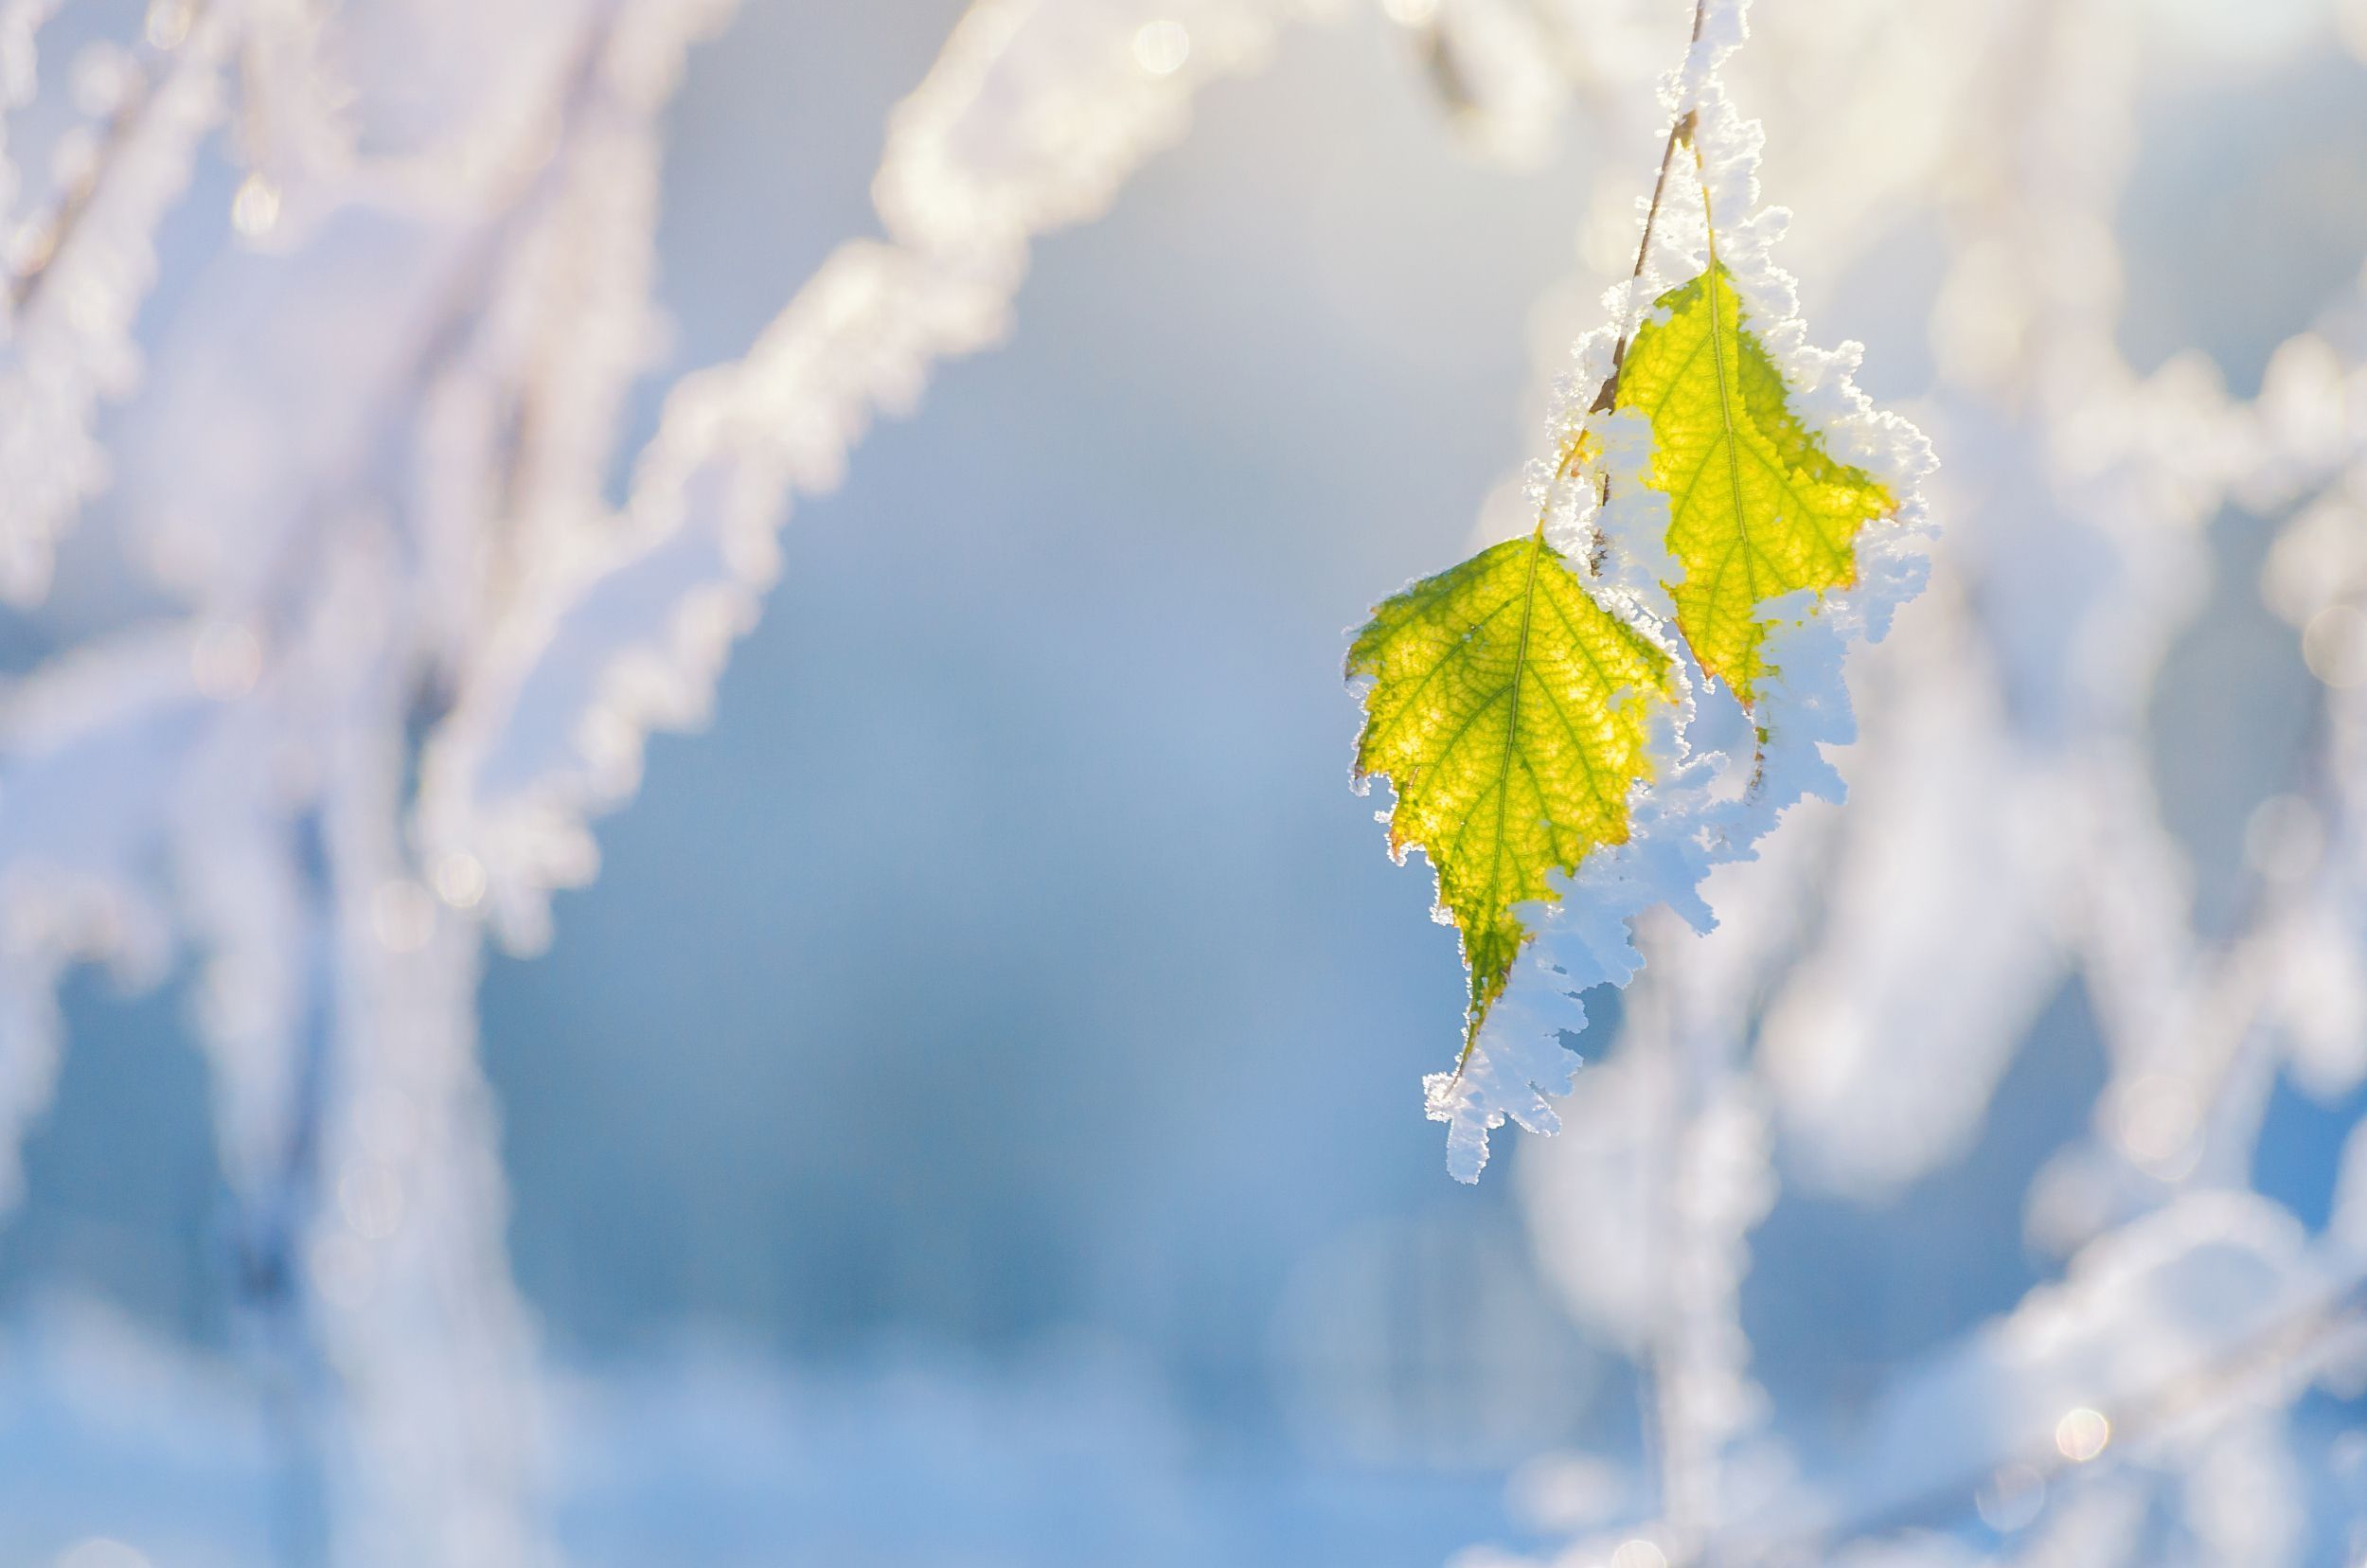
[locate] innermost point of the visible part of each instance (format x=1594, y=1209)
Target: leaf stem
x=1571, y=454
x=1682, y=130
x=1607, y=395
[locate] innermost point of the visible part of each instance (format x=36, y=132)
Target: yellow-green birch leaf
x=1757, y=508
x=1511, y=713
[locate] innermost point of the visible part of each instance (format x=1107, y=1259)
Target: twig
x=1607, y=395
x=2145, y=1414
x=67, y=215
x=1682, y=130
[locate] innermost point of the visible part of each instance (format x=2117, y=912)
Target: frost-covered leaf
x=1757, y=508
x=1511, y=713
x=1710, y=481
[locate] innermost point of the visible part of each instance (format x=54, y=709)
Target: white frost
x=1710, y=802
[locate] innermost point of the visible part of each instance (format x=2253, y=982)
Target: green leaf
x=1509, y=710
x=1757, y=508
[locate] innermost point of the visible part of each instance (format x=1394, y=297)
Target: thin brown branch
x=1607, y=395
x=1679, y=133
